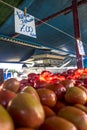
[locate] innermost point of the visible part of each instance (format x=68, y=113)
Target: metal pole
x=77, y=32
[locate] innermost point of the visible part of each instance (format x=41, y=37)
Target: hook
x=25, y=11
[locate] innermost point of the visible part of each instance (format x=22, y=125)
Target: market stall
x=43, y=65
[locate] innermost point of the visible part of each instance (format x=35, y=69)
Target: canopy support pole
x=77, y=33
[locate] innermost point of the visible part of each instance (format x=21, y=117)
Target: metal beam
x=77, y=33
x=34, y=45
x=62, y=12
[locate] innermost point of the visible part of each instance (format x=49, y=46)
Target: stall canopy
x=54, y=24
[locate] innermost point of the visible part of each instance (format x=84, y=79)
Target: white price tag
x=80, y=47
x=24, y=24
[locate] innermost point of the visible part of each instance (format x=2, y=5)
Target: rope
x=7, y=4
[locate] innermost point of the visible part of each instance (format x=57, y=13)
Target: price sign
x=80, y=47
x=24, y=24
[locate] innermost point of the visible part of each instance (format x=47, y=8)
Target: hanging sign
x=24, y=24
x=80, y=47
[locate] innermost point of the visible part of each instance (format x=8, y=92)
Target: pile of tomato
x=46, y=77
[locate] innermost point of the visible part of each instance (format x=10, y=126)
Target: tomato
x=47, y=97
x=11, y=84
x=57, y=123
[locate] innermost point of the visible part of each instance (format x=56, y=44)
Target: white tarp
x=24, y=24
